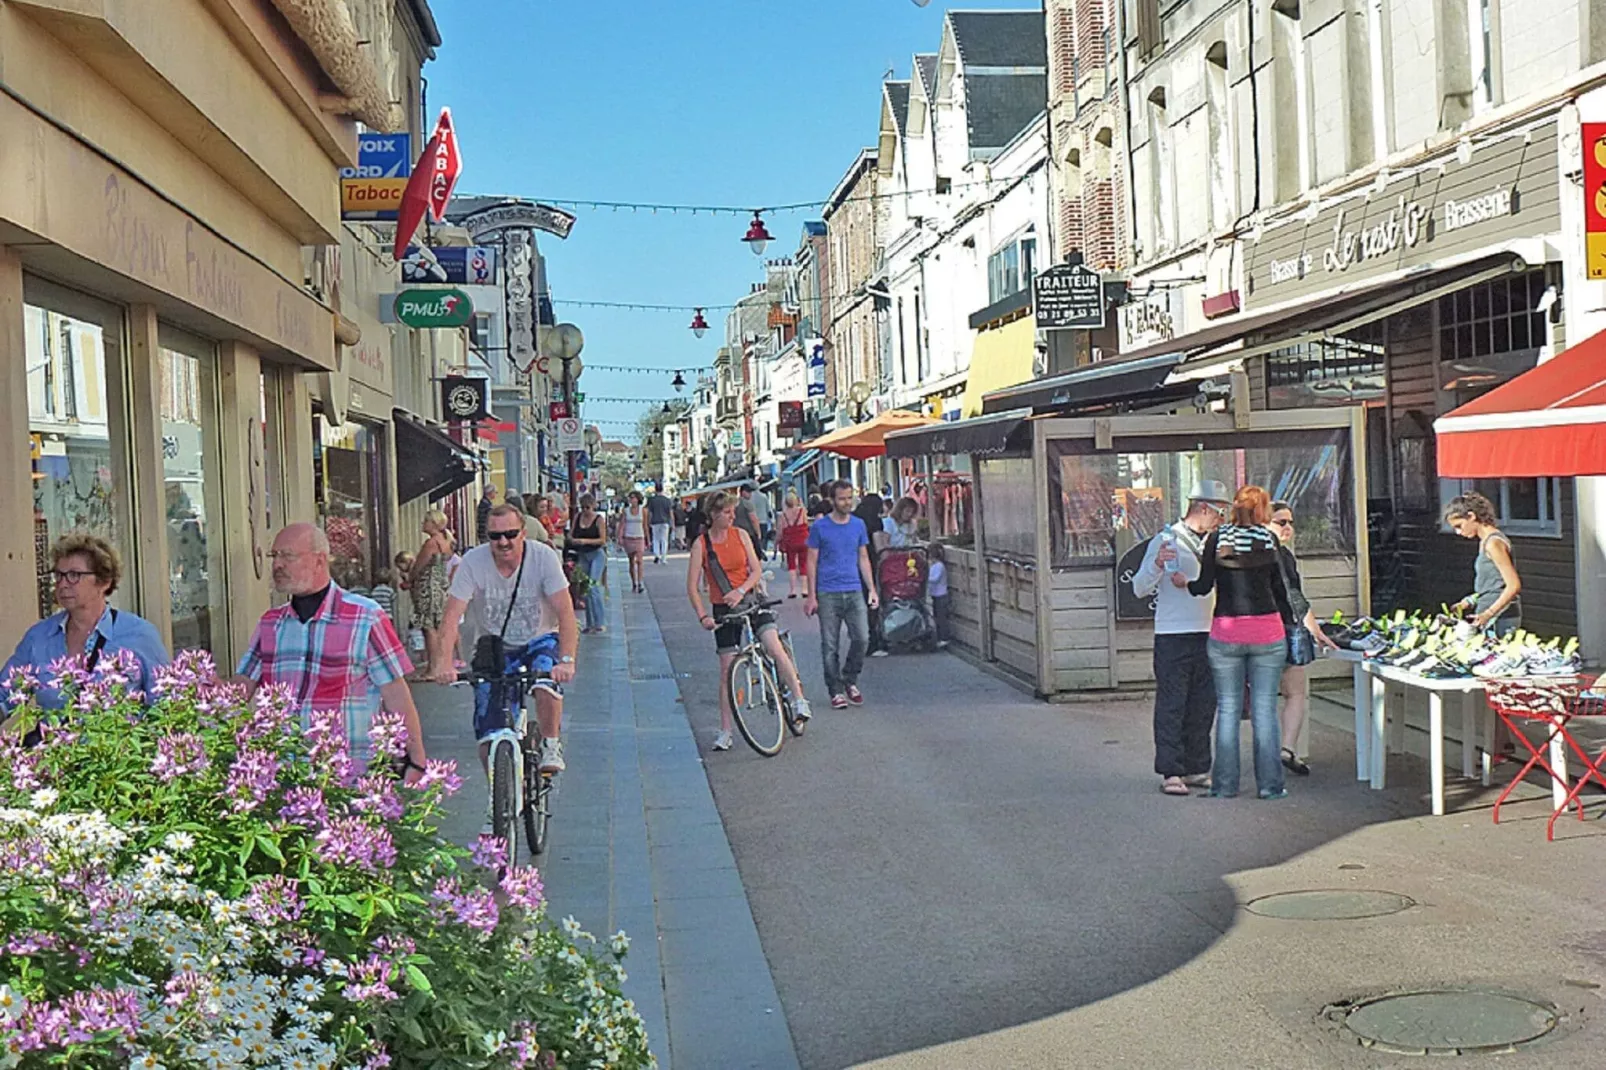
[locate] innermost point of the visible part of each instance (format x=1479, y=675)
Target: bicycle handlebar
x=522, y=673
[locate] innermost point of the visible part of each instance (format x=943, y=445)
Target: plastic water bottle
x=1171, y=541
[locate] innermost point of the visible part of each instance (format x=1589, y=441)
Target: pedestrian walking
x=747, y=517
x=428, y=582
x=633, y=537
x=482, y=512
x=942, y=604
x=335, y=651
x=660, y=514
x=514, y=592
x=1184, y=688
x=589, y=537
x=758, y=504
x=1248, y=636
x=725, y=558
x=794, y=542
x=841, y=591
x=871, y=510
x=1303, y=639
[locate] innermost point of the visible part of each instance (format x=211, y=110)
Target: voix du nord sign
x=373, y=189
x=434, y=308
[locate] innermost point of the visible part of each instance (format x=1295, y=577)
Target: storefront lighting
x=757, y=237
x=1463, y=151
x=699, y=326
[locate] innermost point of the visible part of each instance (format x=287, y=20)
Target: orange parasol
x=868, y=439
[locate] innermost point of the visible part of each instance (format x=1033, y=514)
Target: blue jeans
x=594, y=561
x=836, y=609
x=1262, y=665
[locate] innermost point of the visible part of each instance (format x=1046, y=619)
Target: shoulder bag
x=490, y=651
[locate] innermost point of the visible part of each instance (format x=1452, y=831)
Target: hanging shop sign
x=557, y=410
x=815, y=348
x=1068, y=295
x=434, y=308
x=790, y=417
x=465, y=265
x=517, y=215
x=1594, y=142
x=571, y=435
x=373, y=189
x=465, y=399
x=1506, y=190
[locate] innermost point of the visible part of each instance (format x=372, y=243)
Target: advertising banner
x=372, y=190
x=815, y=348
x=1594, y=141
x=464, y=399
x=472, y=265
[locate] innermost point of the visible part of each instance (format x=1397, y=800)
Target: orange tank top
x=732, y=557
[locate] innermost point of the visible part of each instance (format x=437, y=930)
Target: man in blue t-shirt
x=839, y=582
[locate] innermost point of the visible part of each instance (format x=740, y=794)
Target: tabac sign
x=1460, y=206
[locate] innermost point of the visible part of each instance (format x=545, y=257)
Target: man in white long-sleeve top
x=1184, y=690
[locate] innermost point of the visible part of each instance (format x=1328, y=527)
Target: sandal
x=1294, y=763
x=1173, y=785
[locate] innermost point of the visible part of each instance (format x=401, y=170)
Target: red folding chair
x=1584, y=704
x=1550, y=703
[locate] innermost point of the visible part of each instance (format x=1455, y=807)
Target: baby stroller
x=906, y=620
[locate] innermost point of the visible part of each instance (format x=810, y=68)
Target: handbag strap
x=517, y=581
x=716, y=570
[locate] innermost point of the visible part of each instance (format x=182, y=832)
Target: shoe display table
x=1374, y=683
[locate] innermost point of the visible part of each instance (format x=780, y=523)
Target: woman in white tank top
x=633, y=536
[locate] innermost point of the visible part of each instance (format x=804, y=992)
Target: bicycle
x=515, y=763
x=761, y=706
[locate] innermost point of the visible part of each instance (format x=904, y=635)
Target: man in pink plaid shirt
x=335, y=650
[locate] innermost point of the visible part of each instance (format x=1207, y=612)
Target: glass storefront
x=350, y=472
x=77, y=436
x=192, y=507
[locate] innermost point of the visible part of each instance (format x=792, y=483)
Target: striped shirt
x=338, y=660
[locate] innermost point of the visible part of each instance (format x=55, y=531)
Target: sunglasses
x=508, y=535
x=1282, y=523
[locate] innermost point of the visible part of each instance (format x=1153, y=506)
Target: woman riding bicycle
x=724, y=559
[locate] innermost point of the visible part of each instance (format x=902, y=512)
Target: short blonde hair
x=436, y=517
x=103, y=561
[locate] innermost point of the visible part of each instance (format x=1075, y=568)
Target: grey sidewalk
x=637, y=844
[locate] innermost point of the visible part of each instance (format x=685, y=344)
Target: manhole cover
x=1330, y=904
x=1446, y=1022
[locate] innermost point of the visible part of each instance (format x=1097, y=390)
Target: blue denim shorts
x=538, y=655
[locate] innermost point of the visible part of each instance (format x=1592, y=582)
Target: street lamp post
x=564, y=343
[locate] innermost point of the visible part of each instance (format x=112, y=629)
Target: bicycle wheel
x=537, y=795
x=794, y=725
x=756, y=704
x=505, y=799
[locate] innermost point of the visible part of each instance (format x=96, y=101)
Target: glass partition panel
x=192, y=486
x=952, y=500
x=1009, y=507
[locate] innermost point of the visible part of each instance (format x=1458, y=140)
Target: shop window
x=1337, y=371
x=191, y=486
x=952, y=500
x=1492, y=331
x=1104, y=505
x=77, y=431
x=1009, y=509
x=1011, y=269
x=351, y=494
x=1522, y=506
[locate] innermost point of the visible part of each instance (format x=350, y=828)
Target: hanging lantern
x=758, y=237
x=666, y=408
x=679, y=382
x=699, y=326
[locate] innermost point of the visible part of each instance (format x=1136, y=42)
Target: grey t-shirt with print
x=488, y=592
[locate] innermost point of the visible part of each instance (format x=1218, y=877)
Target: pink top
x=1260, y=628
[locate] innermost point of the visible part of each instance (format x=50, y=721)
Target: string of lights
x=590, y=367
x=740, y=210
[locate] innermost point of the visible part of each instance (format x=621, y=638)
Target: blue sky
x=685, y=101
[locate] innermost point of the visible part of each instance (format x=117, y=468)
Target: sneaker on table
x=722, y=740
x=801, y=709
x=855, y=696
x=839, y=702
x=551, y=760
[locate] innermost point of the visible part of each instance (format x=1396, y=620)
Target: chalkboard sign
x=1129, y=606
x=1068, y=295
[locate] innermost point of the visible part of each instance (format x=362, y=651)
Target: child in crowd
x=937, y=588
x=384, y=592
x=404, y=568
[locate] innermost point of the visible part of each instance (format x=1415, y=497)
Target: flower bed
x=201, y=884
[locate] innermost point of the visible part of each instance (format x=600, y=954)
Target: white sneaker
x=880, y=653
x=801, y=710
x=552, y=756
x=722, y=741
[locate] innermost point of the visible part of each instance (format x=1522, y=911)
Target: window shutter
x=1151, y=33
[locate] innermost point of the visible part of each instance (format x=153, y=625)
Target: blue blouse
x=47, y=641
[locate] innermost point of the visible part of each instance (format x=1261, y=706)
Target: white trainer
x=722, y=741
x=551, y=760
x=801, y=710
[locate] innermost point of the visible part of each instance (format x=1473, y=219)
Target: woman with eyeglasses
x=1303, y=639
x=85, y=570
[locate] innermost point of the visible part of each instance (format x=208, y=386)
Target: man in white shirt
x=1184, y=690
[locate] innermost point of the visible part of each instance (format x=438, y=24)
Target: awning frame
x=917, y=439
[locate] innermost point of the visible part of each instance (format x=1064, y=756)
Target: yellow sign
x=364, y=196
x=1595, y=255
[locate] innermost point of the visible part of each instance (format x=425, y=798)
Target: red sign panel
x=791, y=415
x=558, y=410
x=446, y=167
x=1595, y=199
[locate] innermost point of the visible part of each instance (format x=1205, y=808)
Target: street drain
x=1445, y=1022
x=1329, y=904
x=643, y=677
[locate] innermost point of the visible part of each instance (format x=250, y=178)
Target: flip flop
x=1173, y=785
x=1294, y=763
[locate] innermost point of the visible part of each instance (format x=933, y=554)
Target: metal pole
x=574, y=411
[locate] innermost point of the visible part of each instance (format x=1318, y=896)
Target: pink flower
x=523, y=888
x=490, y=852
x=254, y=774
x=354, y=842
x=179, y=754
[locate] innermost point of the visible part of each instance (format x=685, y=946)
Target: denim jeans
x=836, y=609
x=1261, y=665
x=594, y=561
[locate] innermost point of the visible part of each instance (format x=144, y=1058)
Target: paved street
x=958, y=875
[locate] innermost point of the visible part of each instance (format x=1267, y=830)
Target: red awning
x=1550, y=421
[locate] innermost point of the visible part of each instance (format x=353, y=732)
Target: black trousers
x=1184, y=704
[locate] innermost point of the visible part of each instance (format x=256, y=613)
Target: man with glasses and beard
x=516, y=590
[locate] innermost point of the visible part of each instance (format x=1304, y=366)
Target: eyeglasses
x=287, y=556
x=508, y=535
x=70, y=576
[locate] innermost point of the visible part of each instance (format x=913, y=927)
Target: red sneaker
x=839, y=702
x=855, y=696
